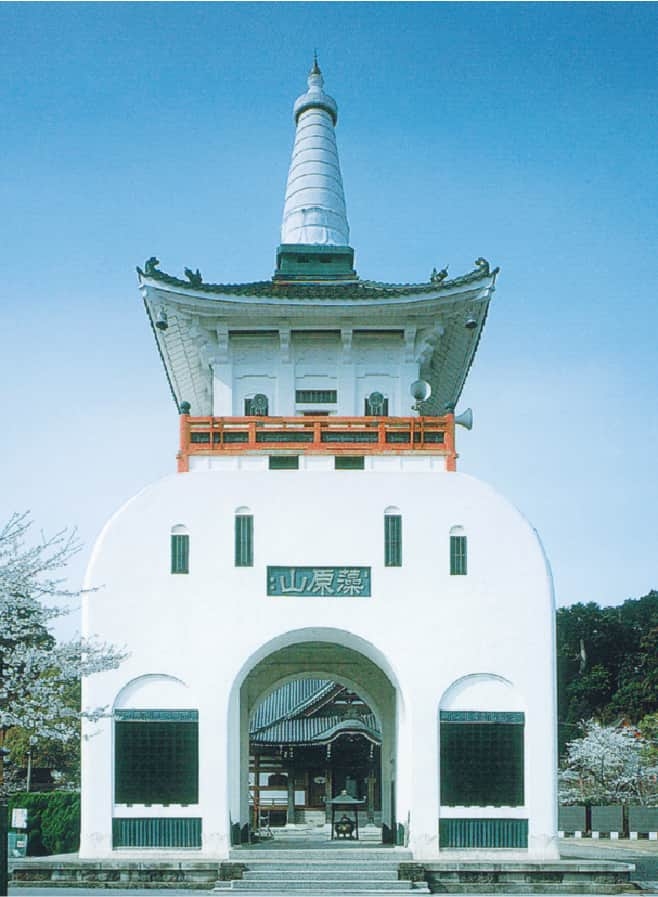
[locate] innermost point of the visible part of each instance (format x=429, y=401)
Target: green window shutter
x=349, y=462
x=156, y=761
x=284, y=462
x=244, y=540
x=482, y=759
x=180, y=553
x=458, y=555
x=392, y=540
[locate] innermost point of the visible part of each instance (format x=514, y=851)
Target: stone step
x=310, y=873
x=328, y=854
x=345, y=886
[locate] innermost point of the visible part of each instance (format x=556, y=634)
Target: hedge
x=53, y=821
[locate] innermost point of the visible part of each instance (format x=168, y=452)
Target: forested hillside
x=607, y=661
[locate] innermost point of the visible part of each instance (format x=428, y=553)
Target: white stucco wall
x=486, y=638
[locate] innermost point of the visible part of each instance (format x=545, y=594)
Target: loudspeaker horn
x=465, y=419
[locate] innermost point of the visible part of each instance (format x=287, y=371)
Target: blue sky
x=526, y=133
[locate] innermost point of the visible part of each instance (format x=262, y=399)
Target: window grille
x=316, y=396
x=156, y=762
x=376, y=405
x=244, y=540
x=257, y=406
x=392, y=540
x=284, y=462
x=482, y=759
x=458, y=555
x=349, y=462
x=180, y=553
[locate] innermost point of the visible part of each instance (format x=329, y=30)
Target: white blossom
x=38, y=675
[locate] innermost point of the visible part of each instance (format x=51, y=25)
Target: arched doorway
x=356, y=670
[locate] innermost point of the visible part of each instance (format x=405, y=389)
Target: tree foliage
x=39, y=677
x=607, y=662
x=608, y=764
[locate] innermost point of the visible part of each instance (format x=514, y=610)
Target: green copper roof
x=357, y=289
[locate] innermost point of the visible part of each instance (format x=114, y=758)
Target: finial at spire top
x=316, y=68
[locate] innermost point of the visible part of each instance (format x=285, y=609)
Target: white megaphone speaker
x=465, y=419
x=420, y=392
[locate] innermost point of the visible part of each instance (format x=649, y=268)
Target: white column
x=424, y=783
x=96, y=792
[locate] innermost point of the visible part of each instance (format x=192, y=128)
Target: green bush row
x=53, y=821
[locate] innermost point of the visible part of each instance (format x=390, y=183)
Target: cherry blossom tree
x=39, y=676
x=608, y=764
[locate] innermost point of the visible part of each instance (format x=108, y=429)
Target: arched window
x=458, y=551
x=257, y=405
x=482, y=746
x=180, y=549
x=392, y=537
x=244, y=538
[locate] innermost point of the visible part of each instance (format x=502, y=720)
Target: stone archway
x=324, y=654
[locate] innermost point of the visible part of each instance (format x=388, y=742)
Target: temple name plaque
x=319, y=582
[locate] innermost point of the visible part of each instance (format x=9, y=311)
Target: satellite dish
x=420, y=390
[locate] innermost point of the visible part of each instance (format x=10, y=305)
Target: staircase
x=321, y=872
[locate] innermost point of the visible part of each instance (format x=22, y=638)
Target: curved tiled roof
x=356, y=289
x=292, y=697
x=316, y=730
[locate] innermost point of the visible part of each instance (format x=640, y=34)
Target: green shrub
x=53, y=821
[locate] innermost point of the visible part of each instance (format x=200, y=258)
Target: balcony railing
x=317, y=435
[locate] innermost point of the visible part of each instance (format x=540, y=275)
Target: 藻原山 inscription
x=319, y=582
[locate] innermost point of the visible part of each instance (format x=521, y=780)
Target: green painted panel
x=482, y=716
x=180, y=553
x=319, y=582
x=481, y=764
x=156, y=762
x=392, y=540
x=284, y=462
x=244, y=540
x=156, y=832
x=483, y=833
x=458, y=555
x=349, y=462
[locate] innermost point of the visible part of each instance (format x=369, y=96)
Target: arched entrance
x=350, y=664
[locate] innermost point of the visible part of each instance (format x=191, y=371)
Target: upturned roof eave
x=314, y=292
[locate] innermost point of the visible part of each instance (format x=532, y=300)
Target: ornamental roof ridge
x=372, y=289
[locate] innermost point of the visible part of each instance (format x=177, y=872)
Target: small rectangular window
x=284, y=462
x=180, y=553
x=349, y=462
x=244, y=540
x=458, y=555
x=316, y=396
x=392, y=540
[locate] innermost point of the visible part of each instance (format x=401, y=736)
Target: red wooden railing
x=317, y=435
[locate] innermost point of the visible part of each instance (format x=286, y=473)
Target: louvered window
x=393, y=540
x=349, y=462
x=458, y=547
x=244, y=540
x=180, y=551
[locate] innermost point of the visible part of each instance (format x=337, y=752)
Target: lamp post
x=4, y=847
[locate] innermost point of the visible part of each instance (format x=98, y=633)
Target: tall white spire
x=314, y=212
